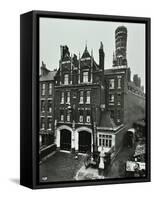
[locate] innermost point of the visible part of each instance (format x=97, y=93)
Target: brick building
x=46, y=108
x=95, y=106
x=77, y=84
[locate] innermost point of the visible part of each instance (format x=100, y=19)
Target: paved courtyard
x=63, y=166
x=60, y=167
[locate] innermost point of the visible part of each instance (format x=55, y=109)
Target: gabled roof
x=49, y=77
x=85, y=53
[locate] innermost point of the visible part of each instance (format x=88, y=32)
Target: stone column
x=76, y=141
x=73, y=137
x=57, y=139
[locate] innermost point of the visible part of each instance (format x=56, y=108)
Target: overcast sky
x=76, y=33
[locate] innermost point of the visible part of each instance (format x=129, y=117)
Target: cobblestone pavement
x=117, y=168
x=60, y=167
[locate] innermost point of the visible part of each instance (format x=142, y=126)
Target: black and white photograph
x=92, y=100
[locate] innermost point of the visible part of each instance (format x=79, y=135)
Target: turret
x=101, y=65
x=101, y=56
x=120, y=58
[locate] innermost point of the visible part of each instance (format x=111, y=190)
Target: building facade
x=46, y=107
x=79, y=92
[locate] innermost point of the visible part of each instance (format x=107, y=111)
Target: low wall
x=45, y=152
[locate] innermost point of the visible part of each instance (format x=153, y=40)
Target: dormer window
x=66, y=79
x=85, y=77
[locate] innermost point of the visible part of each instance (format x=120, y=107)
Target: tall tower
x=120, y=56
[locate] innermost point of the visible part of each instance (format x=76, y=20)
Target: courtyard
x=61, y=166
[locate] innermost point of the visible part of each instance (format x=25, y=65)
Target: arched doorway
x=84, y=141
x=65, y=139
x=128, y=140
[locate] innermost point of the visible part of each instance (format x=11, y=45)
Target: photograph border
x=33, y=170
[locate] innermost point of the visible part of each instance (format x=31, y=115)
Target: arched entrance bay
x=65, y=139
x=84, y=141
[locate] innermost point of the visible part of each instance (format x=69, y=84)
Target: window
x=42, y=106
x=61, y=115
x=111, y=84
x=68, y=98
x=49, y=123
x=81, y=116
x=111, y=98
x=81, y=97
x=118, y=98
x=88, y=97
x=85, y=77
x=62, y=98
x=66, y=79
x=68, y=117
x=49, y=106
x=43, y=89
x=88, y=116
x=119, y=83
x=42, y=123
x=50, y=88
x=105, y=140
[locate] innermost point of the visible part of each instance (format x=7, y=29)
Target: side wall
x=134, y=108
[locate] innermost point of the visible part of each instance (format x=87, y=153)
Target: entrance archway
x=84, y=141
x=65, y=139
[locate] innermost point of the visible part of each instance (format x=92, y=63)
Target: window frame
x=85, y=77
x=111, y=83
x=88, y=96
x=105, y=140
x=50, y=88
x=81, y=97
x=43, y=87
x=66, y=82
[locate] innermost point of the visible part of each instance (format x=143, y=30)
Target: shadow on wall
x=134, y=108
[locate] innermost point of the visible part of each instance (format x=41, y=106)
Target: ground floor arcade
x=81, y=139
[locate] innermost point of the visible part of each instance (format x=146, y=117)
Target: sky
x=77, y=33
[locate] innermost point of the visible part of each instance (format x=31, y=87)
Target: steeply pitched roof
x=85, y=53
x=49, y=77
x=106, y=121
